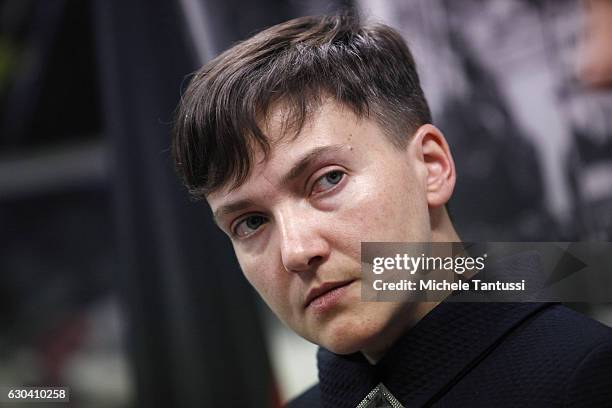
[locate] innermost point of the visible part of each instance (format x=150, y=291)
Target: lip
x=323, y=289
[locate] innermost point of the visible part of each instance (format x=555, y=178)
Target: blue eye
x=328, y=181
x=249, y=225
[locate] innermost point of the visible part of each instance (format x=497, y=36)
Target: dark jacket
x=480, y=355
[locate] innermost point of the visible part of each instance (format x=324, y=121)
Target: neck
x=415, y=312
x=442, y=230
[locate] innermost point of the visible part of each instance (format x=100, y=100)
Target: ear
x=434, y=154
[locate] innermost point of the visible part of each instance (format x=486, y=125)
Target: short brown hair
x=369, y=69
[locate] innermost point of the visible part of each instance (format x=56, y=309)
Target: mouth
x=326, y=294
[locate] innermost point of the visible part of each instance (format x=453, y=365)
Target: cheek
x=263, y=274
x=395, y=211
x=258, y=275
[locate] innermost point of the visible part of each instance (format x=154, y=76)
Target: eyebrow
x=296, y=171
x=306, y=161
x=230, y=208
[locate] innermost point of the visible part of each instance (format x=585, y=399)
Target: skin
x=595, y=65
x=296, y=228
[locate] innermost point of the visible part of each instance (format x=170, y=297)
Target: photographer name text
x=444, y=285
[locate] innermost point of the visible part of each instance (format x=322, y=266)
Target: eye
x=249, y=225
x=328, y=181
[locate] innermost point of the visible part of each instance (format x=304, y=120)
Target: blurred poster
x=532, y=145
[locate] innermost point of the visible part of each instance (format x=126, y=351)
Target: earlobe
x=438, y=164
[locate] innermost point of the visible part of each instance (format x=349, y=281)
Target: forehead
x=329, y=127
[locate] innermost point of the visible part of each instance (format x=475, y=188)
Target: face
x=298, y=221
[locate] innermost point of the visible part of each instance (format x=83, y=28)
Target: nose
x=302, y=244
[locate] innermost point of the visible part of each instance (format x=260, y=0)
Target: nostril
x=314, y=260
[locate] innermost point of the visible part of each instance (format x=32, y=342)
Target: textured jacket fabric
x=480, y=355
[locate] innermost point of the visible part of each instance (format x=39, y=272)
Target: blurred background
x=115, y=284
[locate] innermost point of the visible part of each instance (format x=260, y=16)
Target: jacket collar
x=428, y=360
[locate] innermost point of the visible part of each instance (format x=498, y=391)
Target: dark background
x=114, y=283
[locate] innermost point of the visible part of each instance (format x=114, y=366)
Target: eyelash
x=245, y=219
x=324, y=176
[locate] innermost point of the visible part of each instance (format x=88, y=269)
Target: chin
x=348, y=337
x=342, y=347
